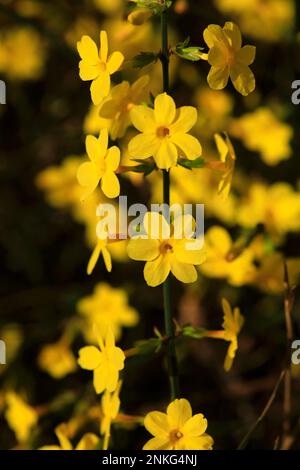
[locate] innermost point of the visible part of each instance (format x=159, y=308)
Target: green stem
x=169, y=325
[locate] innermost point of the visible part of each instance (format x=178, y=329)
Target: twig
x=245, y=440
x=287, y=396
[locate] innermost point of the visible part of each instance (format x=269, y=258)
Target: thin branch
x=245, y=440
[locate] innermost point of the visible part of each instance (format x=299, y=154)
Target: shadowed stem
x=168, y=309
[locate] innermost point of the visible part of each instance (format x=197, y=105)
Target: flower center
x=129, y=106
x=231, y=57
x=166, y=247
x=175, y=436
x=102, y=66
x=162, y=132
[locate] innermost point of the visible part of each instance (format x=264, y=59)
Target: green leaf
x=191, y=332
x=148, y=346
x=144, y=167
x=190, y=164
x=157, y=6
x=143, y=59
x=184, y=51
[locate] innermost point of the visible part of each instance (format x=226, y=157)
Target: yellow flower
x=97, y=66
x=228, y=158
x=22, y=54
x=177, y=429
x=108, y=307
x=57, y=359
x=164, y=132
x=263, y=132
x=123, y=98
x=88, y=442
x=228, y=58
x=171, y=249
x=110, y=406
x=101, y=167
x=270, y=20
x=106, y=362
x=109, y=7
x=59, y=183
x=20, y=416
x=218, y=244
x=93, y=123
x=232, y=323
x=276, y=206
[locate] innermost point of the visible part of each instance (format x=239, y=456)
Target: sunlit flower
x=263, y=132
x=20, y=416
x=22, y=53
x=93, y=123
x=106, y=362
x=164, y=132
x=101, y=167
x=228, y=158
x=232, y=323
x=269, y=20
x=98, y=66
x=177, y=429
x=110, y=406
x=167, y=248
x=88, y=442
x=108, y=307
x=57, y=359
x=228, y=59
x=218, y=264
x=276, y=206
x=123, y=98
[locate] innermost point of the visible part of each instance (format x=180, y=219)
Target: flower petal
x=114, y=62
x=143, y=250
x=212, y=34
x=95, y=256
x=100, y=87
x=183, y=272
x=88, y=176
x=112, y=158
x=186, y=118
x=157, y=424
x=204, y=442
x=100, y=379
x=103, y=46
x=88, y=72
x=157, y=271
x=233, y=33
x=158, y=443
x=218, y=77
x=189, y=251
x=88, y=442
x=110, y=184
x=89, y=357
x=195, y=426
x=216, y=57
x=188, y=144
x=107, y=259
x=243, y=79
x=166, y=155
x=143, y=118
x=88, y=50
x=179, y=412
x=156, y=226
x=246, y=55
x=143, y=146
x=164, y=109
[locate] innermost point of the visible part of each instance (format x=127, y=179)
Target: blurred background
x=48, y=303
